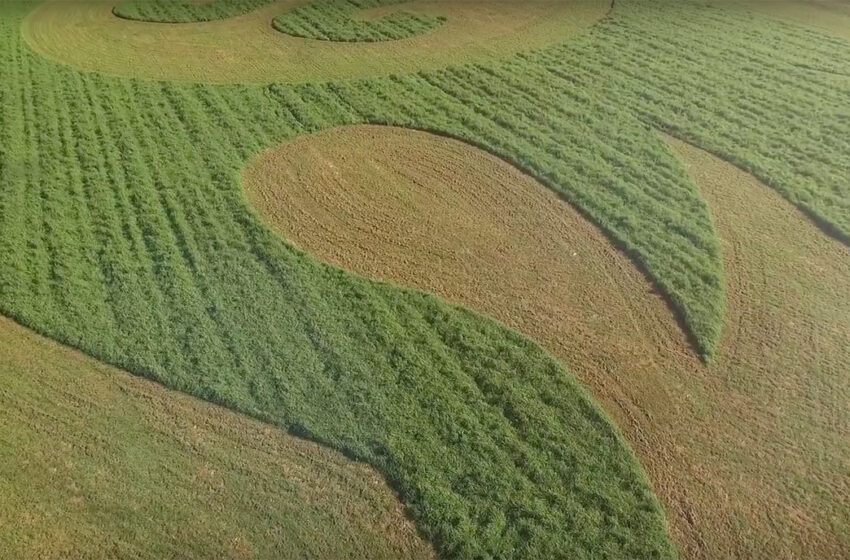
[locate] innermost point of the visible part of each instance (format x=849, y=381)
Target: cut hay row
x=435, y=214
x=95, y=463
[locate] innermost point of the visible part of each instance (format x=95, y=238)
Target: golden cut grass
x=96, y=463
x=435, y=214
x=247, y=49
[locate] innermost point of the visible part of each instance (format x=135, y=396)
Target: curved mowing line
x=93, y=459
x=247, y=49
x=326, y=20
x=176, y=11
x=436, y=214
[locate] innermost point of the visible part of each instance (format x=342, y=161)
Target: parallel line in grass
x=323, y=381
x=332, y=315
x=156, y=244
x=54, y=206
x=182, y=239
x=293, y=103
x=188, y=232
x=84, y=233
x=334, y=109
x=129, y=180
x=38, y=262
x=253, y=135
x=733, y=84
x=12, y=167
x=95, y=201
x=334, y=21
x=562, y=96
x=512, y=102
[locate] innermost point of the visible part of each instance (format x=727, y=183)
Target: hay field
x=246, y=48
x=438, y=215
x=96, y=463
x=688, y=398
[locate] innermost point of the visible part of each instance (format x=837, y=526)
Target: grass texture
x=405, y=206
x=98, y=464
x=125, y=234
x=331, y=20
x=167, y=11
x=247, y=49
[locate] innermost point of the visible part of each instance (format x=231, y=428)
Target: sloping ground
x=95, y=463
x=747, y=455
x=247, y=49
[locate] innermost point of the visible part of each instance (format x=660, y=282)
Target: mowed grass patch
x=125, y=234
x=247, y=49
x=96, y=463
x=148, y=257
x=433, y=213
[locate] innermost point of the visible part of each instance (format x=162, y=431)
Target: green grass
x=124, y=233
x=168, y=11
x=326, y=20
x=95, y=463
x=331, y=20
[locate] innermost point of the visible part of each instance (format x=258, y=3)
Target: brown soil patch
x=96, y=463
x=746, y=455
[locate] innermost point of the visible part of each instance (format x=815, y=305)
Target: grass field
x=827, y=16
x=404, y=207
x=126, y=234
x=248, y=49
x=95, y=463
x=188, y=11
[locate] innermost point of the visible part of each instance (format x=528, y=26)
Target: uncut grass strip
x=55, y=207
x=99, y=204
x=244, y=135
x=696, y=76
x=175, y=208
x=172, y=274
x=769, y=67
x=650, y=112
x=82, y=233
x=37, y=266
x=192, y=224
x=611, y=157
x=12, y=177
x=597, y=213
x=123, y=163
x=332, y=109
x=290, y=100
x=553, y=122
